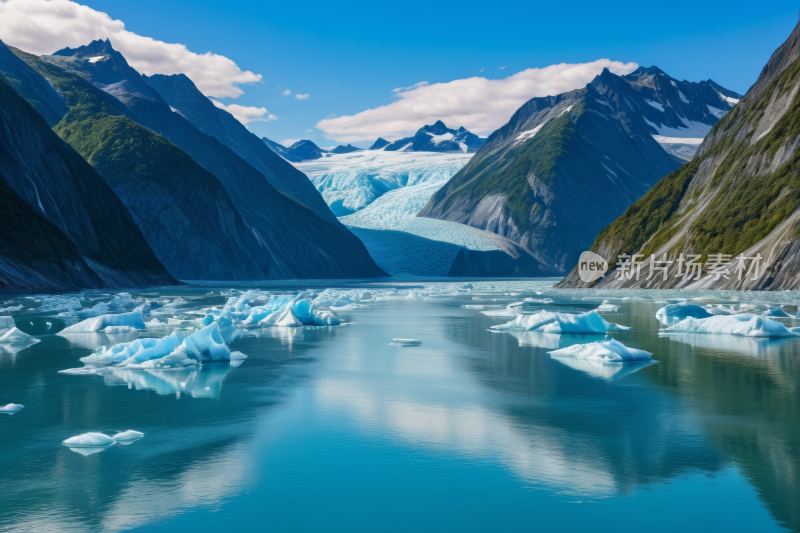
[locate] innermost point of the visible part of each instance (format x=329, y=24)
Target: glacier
x=377, y=195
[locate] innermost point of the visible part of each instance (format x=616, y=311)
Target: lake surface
x=336, y=429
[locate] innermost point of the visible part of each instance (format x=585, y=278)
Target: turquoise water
x=337, y=429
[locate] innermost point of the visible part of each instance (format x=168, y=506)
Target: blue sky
x=349, y=56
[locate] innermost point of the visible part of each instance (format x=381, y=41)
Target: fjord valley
x=295, y=267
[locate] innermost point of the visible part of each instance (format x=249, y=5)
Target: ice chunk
x=284, y=318
x=174, y=351
x=549, y=322
x=127, y=436
x=673, y=313
x=11, y=408
x=15, y=336
x=608, y=351
x=89, y=440
x=607, y=307
x=776, y=312
x=133, y=320
x=745, y=325
x=406, y=342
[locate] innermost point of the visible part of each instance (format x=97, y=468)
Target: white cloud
x=481, y=70
x=288, y=142
x=501, y=68
x=479, y=104
x=287, y=92
x=415, y=86
x=309, y=131
x=301, y=96
x=246, y=114
x=44, y=26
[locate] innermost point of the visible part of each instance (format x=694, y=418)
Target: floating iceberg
x=174, y=351
x=673, y=313
x=607, y=307
x=12, y=338
x=120, y=323
x=89, y=440
x=744, y=325
x=12, y=408
x=127, y=436
x=101, y=440
x=606, y=371
x=549, y=322
x=608, y=351
x=406, y=342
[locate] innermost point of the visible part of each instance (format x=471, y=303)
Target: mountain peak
x=439, y=125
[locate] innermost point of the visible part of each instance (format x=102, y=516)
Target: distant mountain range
x=205, y=210
x=739, y=195
x=565, y=166
x=435, y=138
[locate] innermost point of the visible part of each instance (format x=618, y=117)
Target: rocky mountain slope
x=435, y=138
x=182, y=94
x=565, y=166
x=269, y=234
x=63, y=226
x=739, y=196
x=302, y=150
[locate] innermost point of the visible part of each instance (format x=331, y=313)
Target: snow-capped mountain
x=345, y=149
x=435, y=138
x=302, y=150
x=201, y=206
x=565, y=166
x=738, y=196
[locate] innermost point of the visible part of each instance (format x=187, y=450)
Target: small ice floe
x=509, y=310
x=549, y=322
x=539, y=300
x=120, y=323
x=744, y=325
x=11, y=408
x=776, y=312
x=10, y=335
x=604, y=359
x=406, y=342
x=607, y=307
x=49, y=325
x=670, y=314
x=89, y=443
x=607, y=351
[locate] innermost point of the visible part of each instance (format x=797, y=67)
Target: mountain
x=380, y=143
x=342, y=149
x=302, y=150
x=35, y=89
x=436, y=138
x=63, y=227
x=182, y=94
x=739, y=195
x=565, y=166
x=291, y=240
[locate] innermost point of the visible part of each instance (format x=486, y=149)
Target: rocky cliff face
x=738, y=197
x=181, y=94
x=102, y=247
x=565, y=166
x=269, y=234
